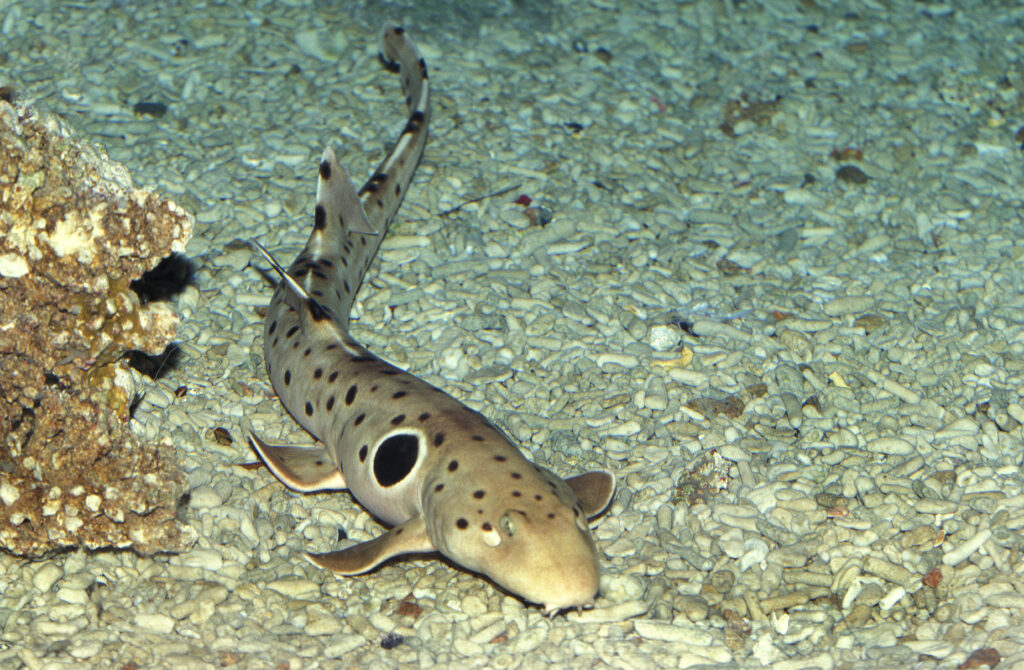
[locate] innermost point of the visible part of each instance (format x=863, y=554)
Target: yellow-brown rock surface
x=74, y=233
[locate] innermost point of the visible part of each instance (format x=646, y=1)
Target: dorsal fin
x=337, y=197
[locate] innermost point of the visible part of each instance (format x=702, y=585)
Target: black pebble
x=391, y=640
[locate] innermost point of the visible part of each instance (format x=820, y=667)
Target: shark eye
x=508, y=525
x=395, y=458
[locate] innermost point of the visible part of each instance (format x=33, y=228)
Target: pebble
x=8, y=493
x=1006, y=600
x=963, y=552
x=935, y=506
x=669, y=632
x=621, y=360
x=891, y=598
x=791, y=599
x=693, y=608
x=848, y=304
x=46, y=576
x=756, y=552
x=154, y=623
x=614, y=613
x=664, y=338
x=207, y=559
x=83, y=650
x=295, y=587
x=710, y=328
x=887, y=571
x=964, y=426
x=72, y=595
x=806, y=325
x=342, y=646
x=1016, y=410
x=900, y=391
x=936, y=648
x=205, y=497
x=323, y=625
x=894, y=446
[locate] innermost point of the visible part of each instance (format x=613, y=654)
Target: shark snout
x=558, y=570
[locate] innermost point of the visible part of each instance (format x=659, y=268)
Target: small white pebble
x=959, y=554
x=46, y=576
x=93, y=502
x=8, y=493
x=155, y=623
x=894, y=446
x=663, y=338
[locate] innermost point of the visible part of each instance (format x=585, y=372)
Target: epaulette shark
x=440, y=474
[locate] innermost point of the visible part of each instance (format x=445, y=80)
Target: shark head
x=520, y=525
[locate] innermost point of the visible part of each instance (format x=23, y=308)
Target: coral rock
x=74, y=233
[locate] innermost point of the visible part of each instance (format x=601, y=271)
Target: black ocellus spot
x=395, y=459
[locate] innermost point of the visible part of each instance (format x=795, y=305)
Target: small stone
x=869, y=322
x=205, y=497
x=208, y=559
x=668, y=632
x=622, y=360
x=851, y=174
x=323, y=625
x=888, y=571
x=664, y=338
x=72, y=595
x=965, y=426
x=84, y=650
x=617, y=612
x=46, y=576
x=621, y=587
x=155, y=623
x=8, y=493
x=308, y=42
x=693, y=608
x=13, y=266
x=295, y=588
x=474, y=606
x=961, y=553
x=848, y=304
x=343, y=646
x=894, y=446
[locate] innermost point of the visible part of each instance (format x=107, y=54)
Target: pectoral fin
x=594, y=490
x=302, y=469
x=408, y=538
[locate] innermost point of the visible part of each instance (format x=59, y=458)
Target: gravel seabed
x=827, y=198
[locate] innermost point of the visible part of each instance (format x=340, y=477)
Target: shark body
x=440, y=474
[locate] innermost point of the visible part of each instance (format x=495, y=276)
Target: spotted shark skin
x=441, y=475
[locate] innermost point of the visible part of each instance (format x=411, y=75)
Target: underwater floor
x=770, y=275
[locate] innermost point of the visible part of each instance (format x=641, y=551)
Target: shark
x=440, y=475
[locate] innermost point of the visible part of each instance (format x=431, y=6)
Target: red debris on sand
x=979, y=657
x=932, y=579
